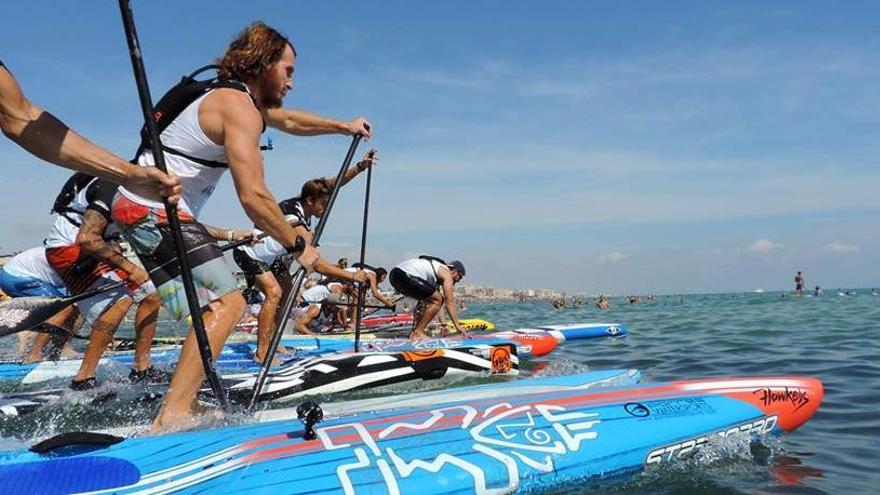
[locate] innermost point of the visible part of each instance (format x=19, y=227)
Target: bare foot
x=68, y=352
x=416, y=336
x=32, y=358
x=198, y=415
x=275, y=360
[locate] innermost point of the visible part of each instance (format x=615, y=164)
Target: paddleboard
x=327, y=374
x=582, y=381
x=239, y=356
x=579, y=331
x=511, y=443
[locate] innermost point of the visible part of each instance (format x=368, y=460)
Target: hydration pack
x=428, y=257
x=175, y=101
x=77, y=183
x=432, y=258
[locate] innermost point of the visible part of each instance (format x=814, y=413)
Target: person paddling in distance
x=320, y=306
x=430, y=281
x=220, y=128
x=41, y=134
x=256, y=261
x=375, y=276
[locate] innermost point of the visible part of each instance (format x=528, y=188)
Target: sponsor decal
x=682, y=450
x=500, y=359
x=662, y=409
x=637, y=410
x=395, y=345
x=692, y=406
x=795, y=396
x=613, y=330
x=421, y=355
x=502, y=438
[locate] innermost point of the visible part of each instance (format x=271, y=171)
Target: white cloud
x=841, y=248
x=613, y=257
x=763, y=246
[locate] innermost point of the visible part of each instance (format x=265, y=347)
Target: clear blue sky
x=597, y=146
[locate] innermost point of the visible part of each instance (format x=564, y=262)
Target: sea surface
x=833, y=338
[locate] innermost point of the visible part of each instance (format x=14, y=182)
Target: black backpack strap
x=178, y=98
x=200, y=161
x=198, y=71
x=432, y=258
x=439, y=260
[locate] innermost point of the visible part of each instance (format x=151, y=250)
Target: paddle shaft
x=349, y=305
x=189, y=288
x=299, y=278
x=379, y=308
x=362, y=289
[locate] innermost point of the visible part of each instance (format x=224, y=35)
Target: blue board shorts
x=147, y=231
x=15, y=286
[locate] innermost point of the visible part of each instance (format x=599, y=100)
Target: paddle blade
x=23, y=313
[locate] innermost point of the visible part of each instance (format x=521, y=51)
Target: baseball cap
x=458, y=266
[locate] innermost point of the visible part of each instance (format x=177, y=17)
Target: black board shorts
x=410, y=286
x=250, y=267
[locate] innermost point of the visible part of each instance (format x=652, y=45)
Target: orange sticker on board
x=422, y=355
x=501, y=362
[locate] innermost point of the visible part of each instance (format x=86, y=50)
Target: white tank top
x=355, y=270
x=268, y=249
x=423, y=269
x=316, y=294
x=64, y=230
x=32, y=264
x=199, y=181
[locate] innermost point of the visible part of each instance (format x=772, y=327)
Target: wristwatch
x=298, y=246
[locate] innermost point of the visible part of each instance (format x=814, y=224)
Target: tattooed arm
x=91, y=241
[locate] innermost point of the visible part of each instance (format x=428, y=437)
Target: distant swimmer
x=817, y=292
x=43, y=135
x=558, y=303
x=603, y=303
x=799, y=283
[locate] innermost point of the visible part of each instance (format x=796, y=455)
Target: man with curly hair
x=219, y=130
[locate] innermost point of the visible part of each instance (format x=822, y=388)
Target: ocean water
x=833, y=338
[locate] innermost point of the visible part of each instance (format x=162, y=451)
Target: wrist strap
x=298, y=246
